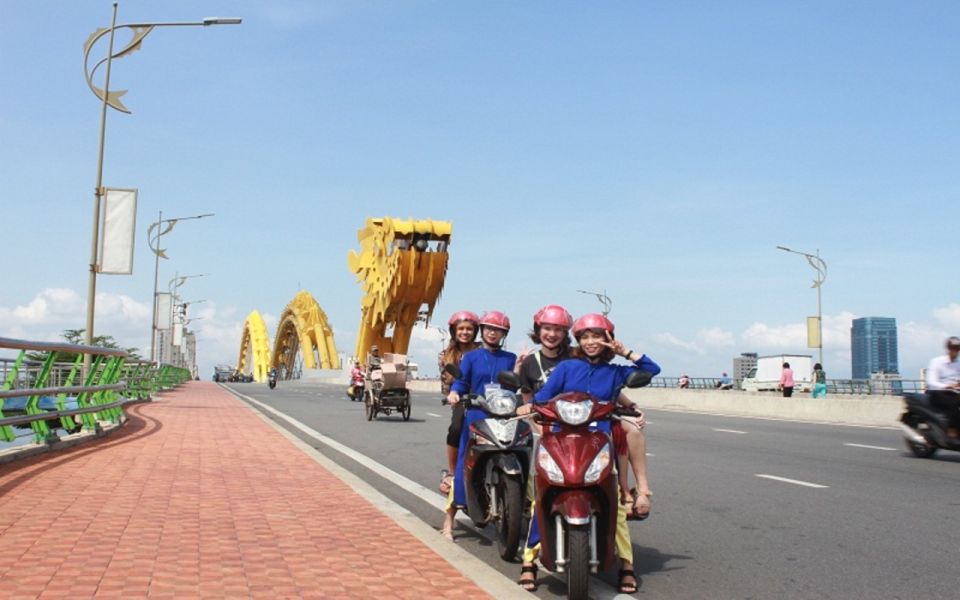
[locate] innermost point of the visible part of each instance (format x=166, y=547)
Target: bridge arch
x=304, y=338
x=254, y=348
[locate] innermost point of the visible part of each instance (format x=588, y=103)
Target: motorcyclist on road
x=479, y=370
x=373, y=359
x=593, y=374
x=463, y=335
x=943, y=385
x=356, y=379
x=356, y=373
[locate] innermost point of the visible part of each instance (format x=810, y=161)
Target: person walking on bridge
x=786, y=380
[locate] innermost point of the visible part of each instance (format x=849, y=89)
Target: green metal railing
x=111, y=382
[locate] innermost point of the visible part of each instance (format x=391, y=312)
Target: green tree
x=75, y=336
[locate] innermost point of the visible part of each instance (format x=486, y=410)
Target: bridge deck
x=197, y=496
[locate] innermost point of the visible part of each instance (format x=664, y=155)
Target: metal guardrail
x=834, y=386
x=98, y=395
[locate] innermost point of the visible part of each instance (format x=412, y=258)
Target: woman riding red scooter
x=593, y=375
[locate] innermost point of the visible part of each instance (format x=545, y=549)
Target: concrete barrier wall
x=424, y=385
x=835, y=408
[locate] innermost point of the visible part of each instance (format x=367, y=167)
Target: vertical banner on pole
x=177, y=334
x=813, y=332
x=115, y=253
x=163, y=311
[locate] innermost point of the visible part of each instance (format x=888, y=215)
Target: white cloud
x=948, y=316
x=706, y=340
x=53, y=310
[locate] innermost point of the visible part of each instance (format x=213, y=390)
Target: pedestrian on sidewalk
x=786, y=380
x=725, y=382
x=819, y=378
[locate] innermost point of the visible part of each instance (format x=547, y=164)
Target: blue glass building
x=873, y=346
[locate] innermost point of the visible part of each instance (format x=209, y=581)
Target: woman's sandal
x=446, y=480
x=627, y=587
x=447, y=534
x=529, y=584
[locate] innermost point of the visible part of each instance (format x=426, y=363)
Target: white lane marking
x=869, y=447
x=432, y=415
x=650, y=454
x=793, y=481
x=737, y=431
x=603, y=591
x=779, y=420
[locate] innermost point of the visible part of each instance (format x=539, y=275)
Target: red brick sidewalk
x=198, y=497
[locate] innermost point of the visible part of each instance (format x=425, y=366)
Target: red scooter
x=576, y=485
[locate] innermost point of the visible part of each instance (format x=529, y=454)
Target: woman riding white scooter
x=478, y=370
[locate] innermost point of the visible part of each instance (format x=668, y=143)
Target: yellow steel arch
x=401, y=267
x=304, y=328
x=254, y=348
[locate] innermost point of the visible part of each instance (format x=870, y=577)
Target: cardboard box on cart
x=394, y=368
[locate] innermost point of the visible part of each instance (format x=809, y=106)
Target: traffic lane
x=847, y=538
x=866, y=447
x=818, y=457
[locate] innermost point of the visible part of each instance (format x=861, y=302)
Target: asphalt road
x=742, y=508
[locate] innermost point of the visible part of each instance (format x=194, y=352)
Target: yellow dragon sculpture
x=401, y=267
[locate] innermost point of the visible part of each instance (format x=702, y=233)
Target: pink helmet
x=592, y=321
x=463, y=315
x=553, y=314
x=495, y=318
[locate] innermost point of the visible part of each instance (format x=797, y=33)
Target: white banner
x=163, y=311
x=177, y=334
x=115, y=254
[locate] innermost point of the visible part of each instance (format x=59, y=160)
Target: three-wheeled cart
x=385, y=389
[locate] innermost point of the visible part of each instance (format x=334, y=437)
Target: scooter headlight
x=600, y=462
x=503, y=430
x=574, y=413
x=498, y=401
x=549, y=466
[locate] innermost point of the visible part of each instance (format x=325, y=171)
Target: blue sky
x=658, y=151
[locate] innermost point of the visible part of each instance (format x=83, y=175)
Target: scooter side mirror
x=509, y=379
x=638, y=379
x=453, y=370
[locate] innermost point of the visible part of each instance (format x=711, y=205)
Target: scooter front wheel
x=578, y=561
x=920, y=450
x=510, y=523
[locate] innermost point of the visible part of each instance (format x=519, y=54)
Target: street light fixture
x=603, y=298
x=112, y=99
x=820, y=266
x=161, y=252
x=172, y=287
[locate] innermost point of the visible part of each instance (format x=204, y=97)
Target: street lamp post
x=112, y=99
x=172, y=287
x=603, y=298
x=160, y=252
x=820, y=266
